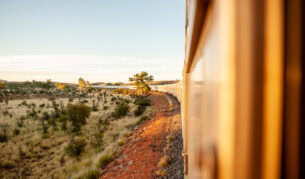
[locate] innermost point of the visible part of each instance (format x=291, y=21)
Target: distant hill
x=107, y=84
x=161, y=82
x=99, y=83
x=23, y=82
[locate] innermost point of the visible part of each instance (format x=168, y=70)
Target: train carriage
x=243, y=89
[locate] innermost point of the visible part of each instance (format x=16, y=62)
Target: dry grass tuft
x=104, y=160
x=163, y=163
x=121, y=141
x=170, y=138
x=162, y=172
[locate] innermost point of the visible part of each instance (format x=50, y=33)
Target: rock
x=130, y=162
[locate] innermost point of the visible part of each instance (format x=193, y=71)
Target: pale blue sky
x=99, y=40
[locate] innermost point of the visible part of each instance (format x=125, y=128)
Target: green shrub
x=121, y=141
x=6, y=101
x=120, y=110
x=3, y=138
x=53, y=122
x=20, y=121
x=84, y=101
x=63, y=119
x=139, y=111
x=5, y=112
x=126, y=101
x=104, y=160
x=97, y=140
x=78, y=113
x=16, y=131
x=33, y=114
x=45, y=127
x=91, y=174
x=142, y=118
x=105, y=107
x=94, y=106
x=7, y=164
x=142, y=101
x=75, y=147
x=103, y=122
x=42, y=105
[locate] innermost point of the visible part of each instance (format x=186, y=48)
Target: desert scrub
x=75, y=147
x=46, y=152
x=120, y=110
x=104, y=160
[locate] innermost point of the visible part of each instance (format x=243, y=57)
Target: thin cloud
x=104, y=67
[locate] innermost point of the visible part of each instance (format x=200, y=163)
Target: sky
x=98, y=40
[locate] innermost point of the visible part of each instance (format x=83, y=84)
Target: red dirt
x=139, y=157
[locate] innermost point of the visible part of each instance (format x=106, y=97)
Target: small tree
x=2, y=85
x=60, y=86
x=78, y=113
x=83, y=85
x=141, y=80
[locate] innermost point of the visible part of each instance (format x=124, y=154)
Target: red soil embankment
x=139, y=157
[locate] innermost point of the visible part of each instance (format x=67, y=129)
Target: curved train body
x=242, y=94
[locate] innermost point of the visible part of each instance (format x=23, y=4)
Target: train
x=242, y=94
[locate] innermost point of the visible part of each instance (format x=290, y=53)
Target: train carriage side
x=243, y=90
